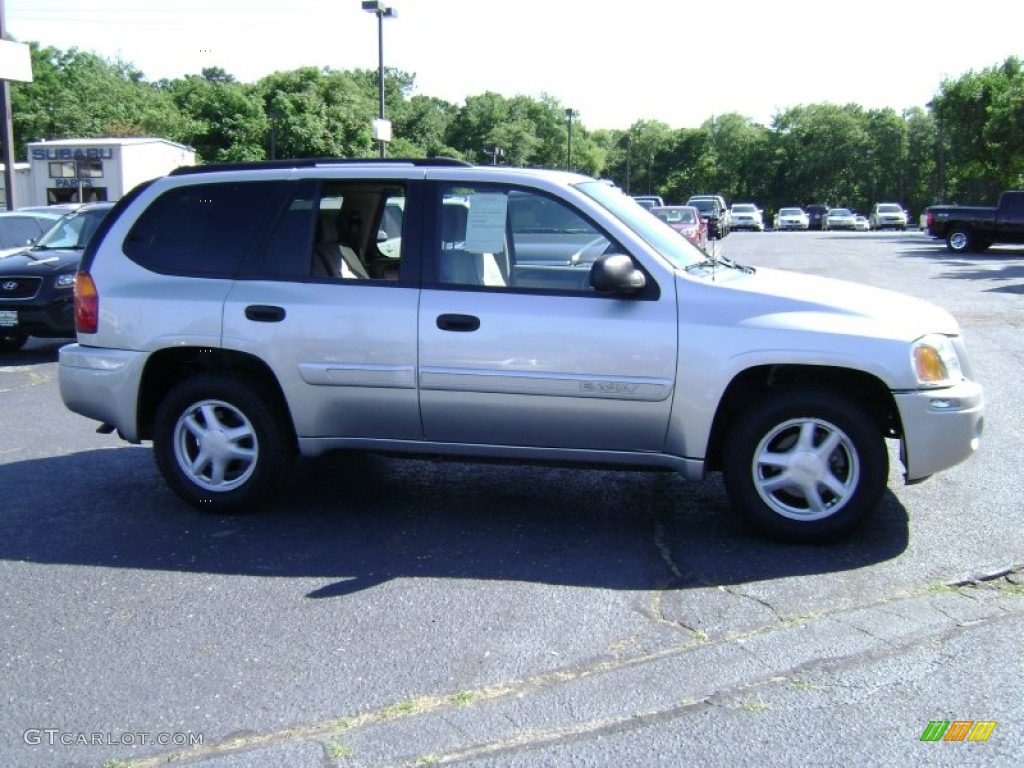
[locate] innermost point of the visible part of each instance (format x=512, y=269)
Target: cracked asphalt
x=410, y=612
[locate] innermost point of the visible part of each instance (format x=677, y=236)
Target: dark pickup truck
x=967, y=228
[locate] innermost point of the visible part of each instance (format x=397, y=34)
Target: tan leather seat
x=456, y=264
x=331, y=258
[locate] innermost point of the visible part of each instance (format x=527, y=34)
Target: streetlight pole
x=381, y=128
x=569, y=115
x=629, y=157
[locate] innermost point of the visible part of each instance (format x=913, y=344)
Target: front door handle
x=264, y=313
x=459, y=323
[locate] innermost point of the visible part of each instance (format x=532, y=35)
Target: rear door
x=333, y=314
x=516, y=349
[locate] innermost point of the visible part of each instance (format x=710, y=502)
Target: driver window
x=501, y=238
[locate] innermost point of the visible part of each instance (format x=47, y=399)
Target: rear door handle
x=264, y=313
x=459, y=323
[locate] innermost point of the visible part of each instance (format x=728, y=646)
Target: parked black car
x=816, y=215
x=37, y=283
x=714, y=214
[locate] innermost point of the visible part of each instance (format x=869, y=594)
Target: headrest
x=453, y=223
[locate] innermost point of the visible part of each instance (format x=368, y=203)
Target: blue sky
x=614, y=63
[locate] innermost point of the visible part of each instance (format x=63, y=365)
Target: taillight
x=87, y=304
x=928, y=220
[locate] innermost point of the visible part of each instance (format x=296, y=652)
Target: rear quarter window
x=203, y=229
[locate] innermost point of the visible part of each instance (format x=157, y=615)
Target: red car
x=687, y=221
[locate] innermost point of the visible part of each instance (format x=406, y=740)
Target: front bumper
x=746, y=224
x=51, y=317
x=941, y=428
x=891, y=224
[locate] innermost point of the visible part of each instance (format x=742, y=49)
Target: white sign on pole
x=15, y=61
x=381, y=129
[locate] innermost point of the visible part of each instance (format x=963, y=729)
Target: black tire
x=960, y=240
x=11, y=341
x=805, y=466
x=248, y=435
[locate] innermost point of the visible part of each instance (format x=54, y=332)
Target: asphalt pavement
x=409, y=612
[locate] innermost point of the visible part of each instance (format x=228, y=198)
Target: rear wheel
x=960, y=240
x=222, y=444
x=805, y=466
x=11, y=341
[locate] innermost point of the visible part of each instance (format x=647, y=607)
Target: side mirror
x=616, y=273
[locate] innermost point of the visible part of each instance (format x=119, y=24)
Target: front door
x=516, y=349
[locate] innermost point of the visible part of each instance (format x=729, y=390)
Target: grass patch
x=805, y=685
x=339, y=750
x=463, y=698
x=754, y=706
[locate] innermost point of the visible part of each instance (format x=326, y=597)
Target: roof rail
x=317, y=162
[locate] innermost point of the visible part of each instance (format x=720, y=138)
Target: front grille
x=19, y=287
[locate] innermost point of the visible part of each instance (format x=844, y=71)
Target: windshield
x=743, y=209
x=73, y=231
x=791, y=212
x=889, y=209
x=840, y=212
x=672, y=246
x=675, y=215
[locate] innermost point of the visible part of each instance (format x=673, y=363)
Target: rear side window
x=203, y=229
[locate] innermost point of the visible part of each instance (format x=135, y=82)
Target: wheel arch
x=752, y=383
x=169, y=367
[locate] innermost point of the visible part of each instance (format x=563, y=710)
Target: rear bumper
x=102, y=384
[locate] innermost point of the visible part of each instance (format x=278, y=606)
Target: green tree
x=421, y=127
x=980, y=126
x=921, y=164
x=226, y=120
x=319, y=113
x=79, y=94
x=825, y=150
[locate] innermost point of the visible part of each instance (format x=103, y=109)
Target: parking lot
x=414, y=612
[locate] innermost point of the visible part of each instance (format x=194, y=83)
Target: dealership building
x=86, y=170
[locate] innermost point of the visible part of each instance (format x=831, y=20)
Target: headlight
x=67, y=280
x=935, y=361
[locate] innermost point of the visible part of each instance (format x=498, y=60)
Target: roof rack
x=318, y=162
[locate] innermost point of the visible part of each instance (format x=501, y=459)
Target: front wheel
x=221, y=444
x=805, y=466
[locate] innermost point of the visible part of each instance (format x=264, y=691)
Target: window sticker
x=485, y=226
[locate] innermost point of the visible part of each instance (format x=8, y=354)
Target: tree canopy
x=967, y=144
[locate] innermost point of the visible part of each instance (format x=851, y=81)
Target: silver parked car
x=839, y=218
x=238, y=316
x=791, y=218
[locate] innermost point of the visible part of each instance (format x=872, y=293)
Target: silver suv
x=238, y=316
